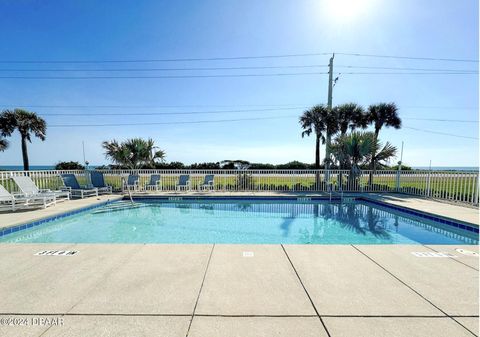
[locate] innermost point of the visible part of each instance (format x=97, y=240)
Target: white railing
x=454, y=186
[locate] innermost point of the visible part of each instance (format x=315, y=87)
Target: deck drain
x=432, y=254
x=248, y=254
x=466, y=252
x=56, y=253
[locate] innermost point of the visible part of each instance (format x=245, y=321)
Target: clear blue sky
x=128, y=30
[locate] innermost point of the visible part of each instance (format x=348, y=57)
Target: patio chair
x=14, y=201
x=155, y=183
x=132, y=182
x=98, y=182
x=208, y=183
x=72, y=185
x=183, y=182
x=28, y=188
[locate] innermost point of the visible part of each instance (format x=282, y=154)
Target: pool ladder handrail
x=124, y=182
x=330, y=190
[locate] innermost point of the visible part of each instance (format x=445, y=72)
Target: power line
x=169, y=123
x=442, y=120
x=246, y=57
x=224, y=75
x=155, y=77
x=225, y=121
x=410, y=73
x=167, y=69
x=230, y=68
x=438, y=133
x=441, y=107
x=410, y=57
x=406, y=68
x=145, y=106
x=166, y=113
x=292, y=105
x=166, y=60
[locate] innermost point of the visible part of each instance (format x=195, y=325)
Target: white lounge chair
x=14, y=201
x=28, y=188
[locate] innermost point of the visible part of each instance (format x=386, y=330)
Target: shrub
x=69, y=165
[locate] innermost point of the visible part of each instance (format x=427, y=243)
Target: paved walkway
x=237, y=290
x=8, y=219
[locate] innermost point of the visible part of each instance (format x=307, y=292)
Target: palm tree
x=383, y=154
x=350, y=116
x=3, y=145
x=312, y=120
x=380, y=115
x=133, y=153
x=321, y=120
x=26, y=123
x=354, y=149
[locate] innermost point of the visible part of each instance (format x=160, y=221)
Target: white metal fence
x=455, y=186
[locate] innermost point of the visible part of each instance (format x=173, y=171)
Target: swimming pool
x=301, y=221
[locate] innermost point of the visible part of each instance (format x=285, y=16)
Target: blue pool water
x=244, y=221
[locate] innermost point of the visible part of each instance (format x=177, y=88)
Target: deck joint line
x=451, y=258
x=411, y=288
x=200, y=291
x=306, y=292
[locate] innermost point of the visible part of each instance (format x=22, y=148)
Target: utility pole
x=329, y=107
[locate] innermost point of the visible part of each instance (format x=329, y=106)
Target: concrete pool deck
x=219, y=291
x=238, y=290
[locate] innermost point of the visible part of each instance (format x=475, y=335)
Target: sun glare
x=347, y=9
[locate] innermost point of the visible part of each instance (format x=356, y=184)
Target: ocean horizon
x=52, y=167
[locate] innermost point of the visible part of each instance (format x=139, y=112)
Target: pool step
x=118, y=206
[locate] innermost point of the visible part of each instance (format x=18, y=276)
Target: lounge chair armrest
x=44, y=190
x=66, y=189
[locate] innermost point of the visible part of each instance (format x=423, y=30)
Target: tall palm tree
x=349, y=117
x=133, y=153
x=311, y=121
x=27, y=123
x=382, y=115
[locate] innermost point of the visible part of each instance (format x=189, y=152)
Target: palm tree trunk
x=25, y=153
x=327, y=150
x=317, y=162
x=372, y=161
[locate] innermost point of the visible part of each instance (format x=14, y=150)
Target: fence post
x=476, y=187
x=428, y=184
x=397, y=183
